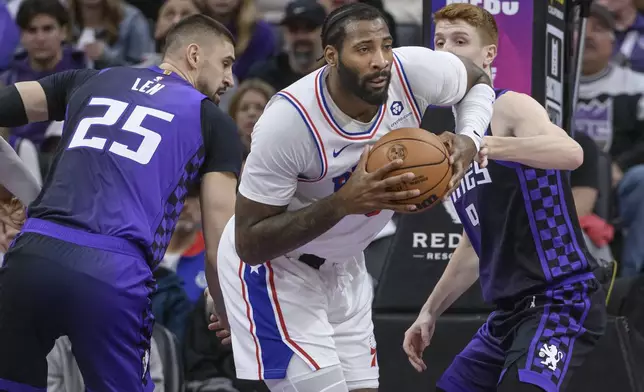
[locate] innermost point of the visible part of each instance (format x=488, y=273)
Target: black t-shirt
x=586, y=175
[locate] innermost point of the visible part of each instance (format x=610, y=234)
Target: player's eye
x=461, y=42
x=363, y=49
x=439, y=44
x=388, y=46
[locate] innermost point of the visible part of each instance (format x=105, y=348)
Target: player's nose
x=379, y=60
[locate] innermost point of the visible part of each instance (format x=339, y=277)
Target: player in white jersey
x=290, y=263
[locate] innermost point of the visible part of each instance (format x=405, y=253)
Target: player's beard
x=358, y=86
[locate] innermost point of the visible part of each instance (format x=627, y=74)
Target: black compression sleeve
x=13, y=113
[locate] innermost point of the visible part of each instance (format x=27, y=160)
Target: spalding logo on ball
x=424, y=155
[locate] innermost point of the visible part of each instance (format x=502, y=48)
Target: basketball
x=424, y=155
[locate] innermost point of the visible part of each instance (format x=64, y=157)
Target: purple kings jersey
x=132, y=143
x=522, y=223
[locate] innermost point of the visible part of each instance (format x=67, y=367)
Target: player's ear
x=193, y=54
x=490, y=55
x=331, y=55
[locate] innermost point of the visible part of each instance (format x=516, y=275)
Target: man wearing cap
x=302, y=51
x=610, y=110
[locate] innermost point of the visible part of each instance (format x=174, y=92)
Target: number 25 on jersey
x=115, y=110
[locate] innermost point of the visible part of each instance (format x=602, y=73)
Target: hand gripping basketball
x=366, y=192
x=462, y=153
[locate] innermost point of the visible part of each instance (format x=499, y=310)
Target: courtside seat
x=171, y=358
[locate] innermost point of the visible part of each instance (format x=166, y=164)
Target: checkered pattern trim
x=562, y=322
x=173, y=207
x=560, y=256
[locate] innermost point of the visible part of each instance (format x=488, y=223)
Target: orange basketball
x=424, y=155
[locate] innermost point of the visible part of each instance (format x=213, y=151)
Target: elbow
x=576, y=157
x=245, y=251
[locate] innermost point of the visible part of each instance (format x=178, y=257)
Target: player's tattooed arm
x=475, y=74
x=263, y=232
x=473, y=114
x=523, y=133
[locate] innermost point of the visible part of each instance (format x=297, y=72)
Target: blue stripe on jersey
x=411, y=92
x=313, y=135
x=276, y=355
x=550, y=223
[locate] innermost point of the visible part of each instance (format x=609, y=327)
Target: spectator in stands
x=209, y=364
x=180, y=277
x=611, y=111
x=585, y=185
x=302, y=52
x=247, y=105
x=629, y=27
x=43, y=25
x=171, y=12
x=10, y=36
x=170, y=304
x=254, y=37
x=186, y=252
x=65, y=376
x=111, y=32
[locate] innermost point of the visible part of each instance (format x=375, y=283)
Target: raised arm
x=443, y=79
x=281, y=151
x=42, y=100
x=523, y=133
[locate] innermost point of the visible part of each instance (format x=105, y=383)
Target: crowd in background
x=276, y=44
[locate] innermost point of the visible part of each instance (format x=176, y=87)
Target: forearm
x=542, y=152
x=474, y=112
x=280, y=234
x=212, y=278
x=585, y=199
x=461, y=273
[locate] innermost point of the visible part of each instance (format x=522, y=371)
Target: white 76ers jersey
x=309, y=148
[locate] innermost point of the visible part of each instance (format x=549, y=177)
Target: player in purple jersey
x=134, y=141
x=521, y=239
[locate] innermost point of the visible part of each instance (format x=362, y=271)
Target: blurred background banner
x=512, y=68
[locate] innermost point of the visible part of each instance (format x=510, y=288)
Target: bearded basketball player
x=291, y=263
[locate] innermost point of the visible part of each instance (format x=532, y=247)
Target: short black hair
x=195, y=24
x=334, y=27
x=29, y=9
